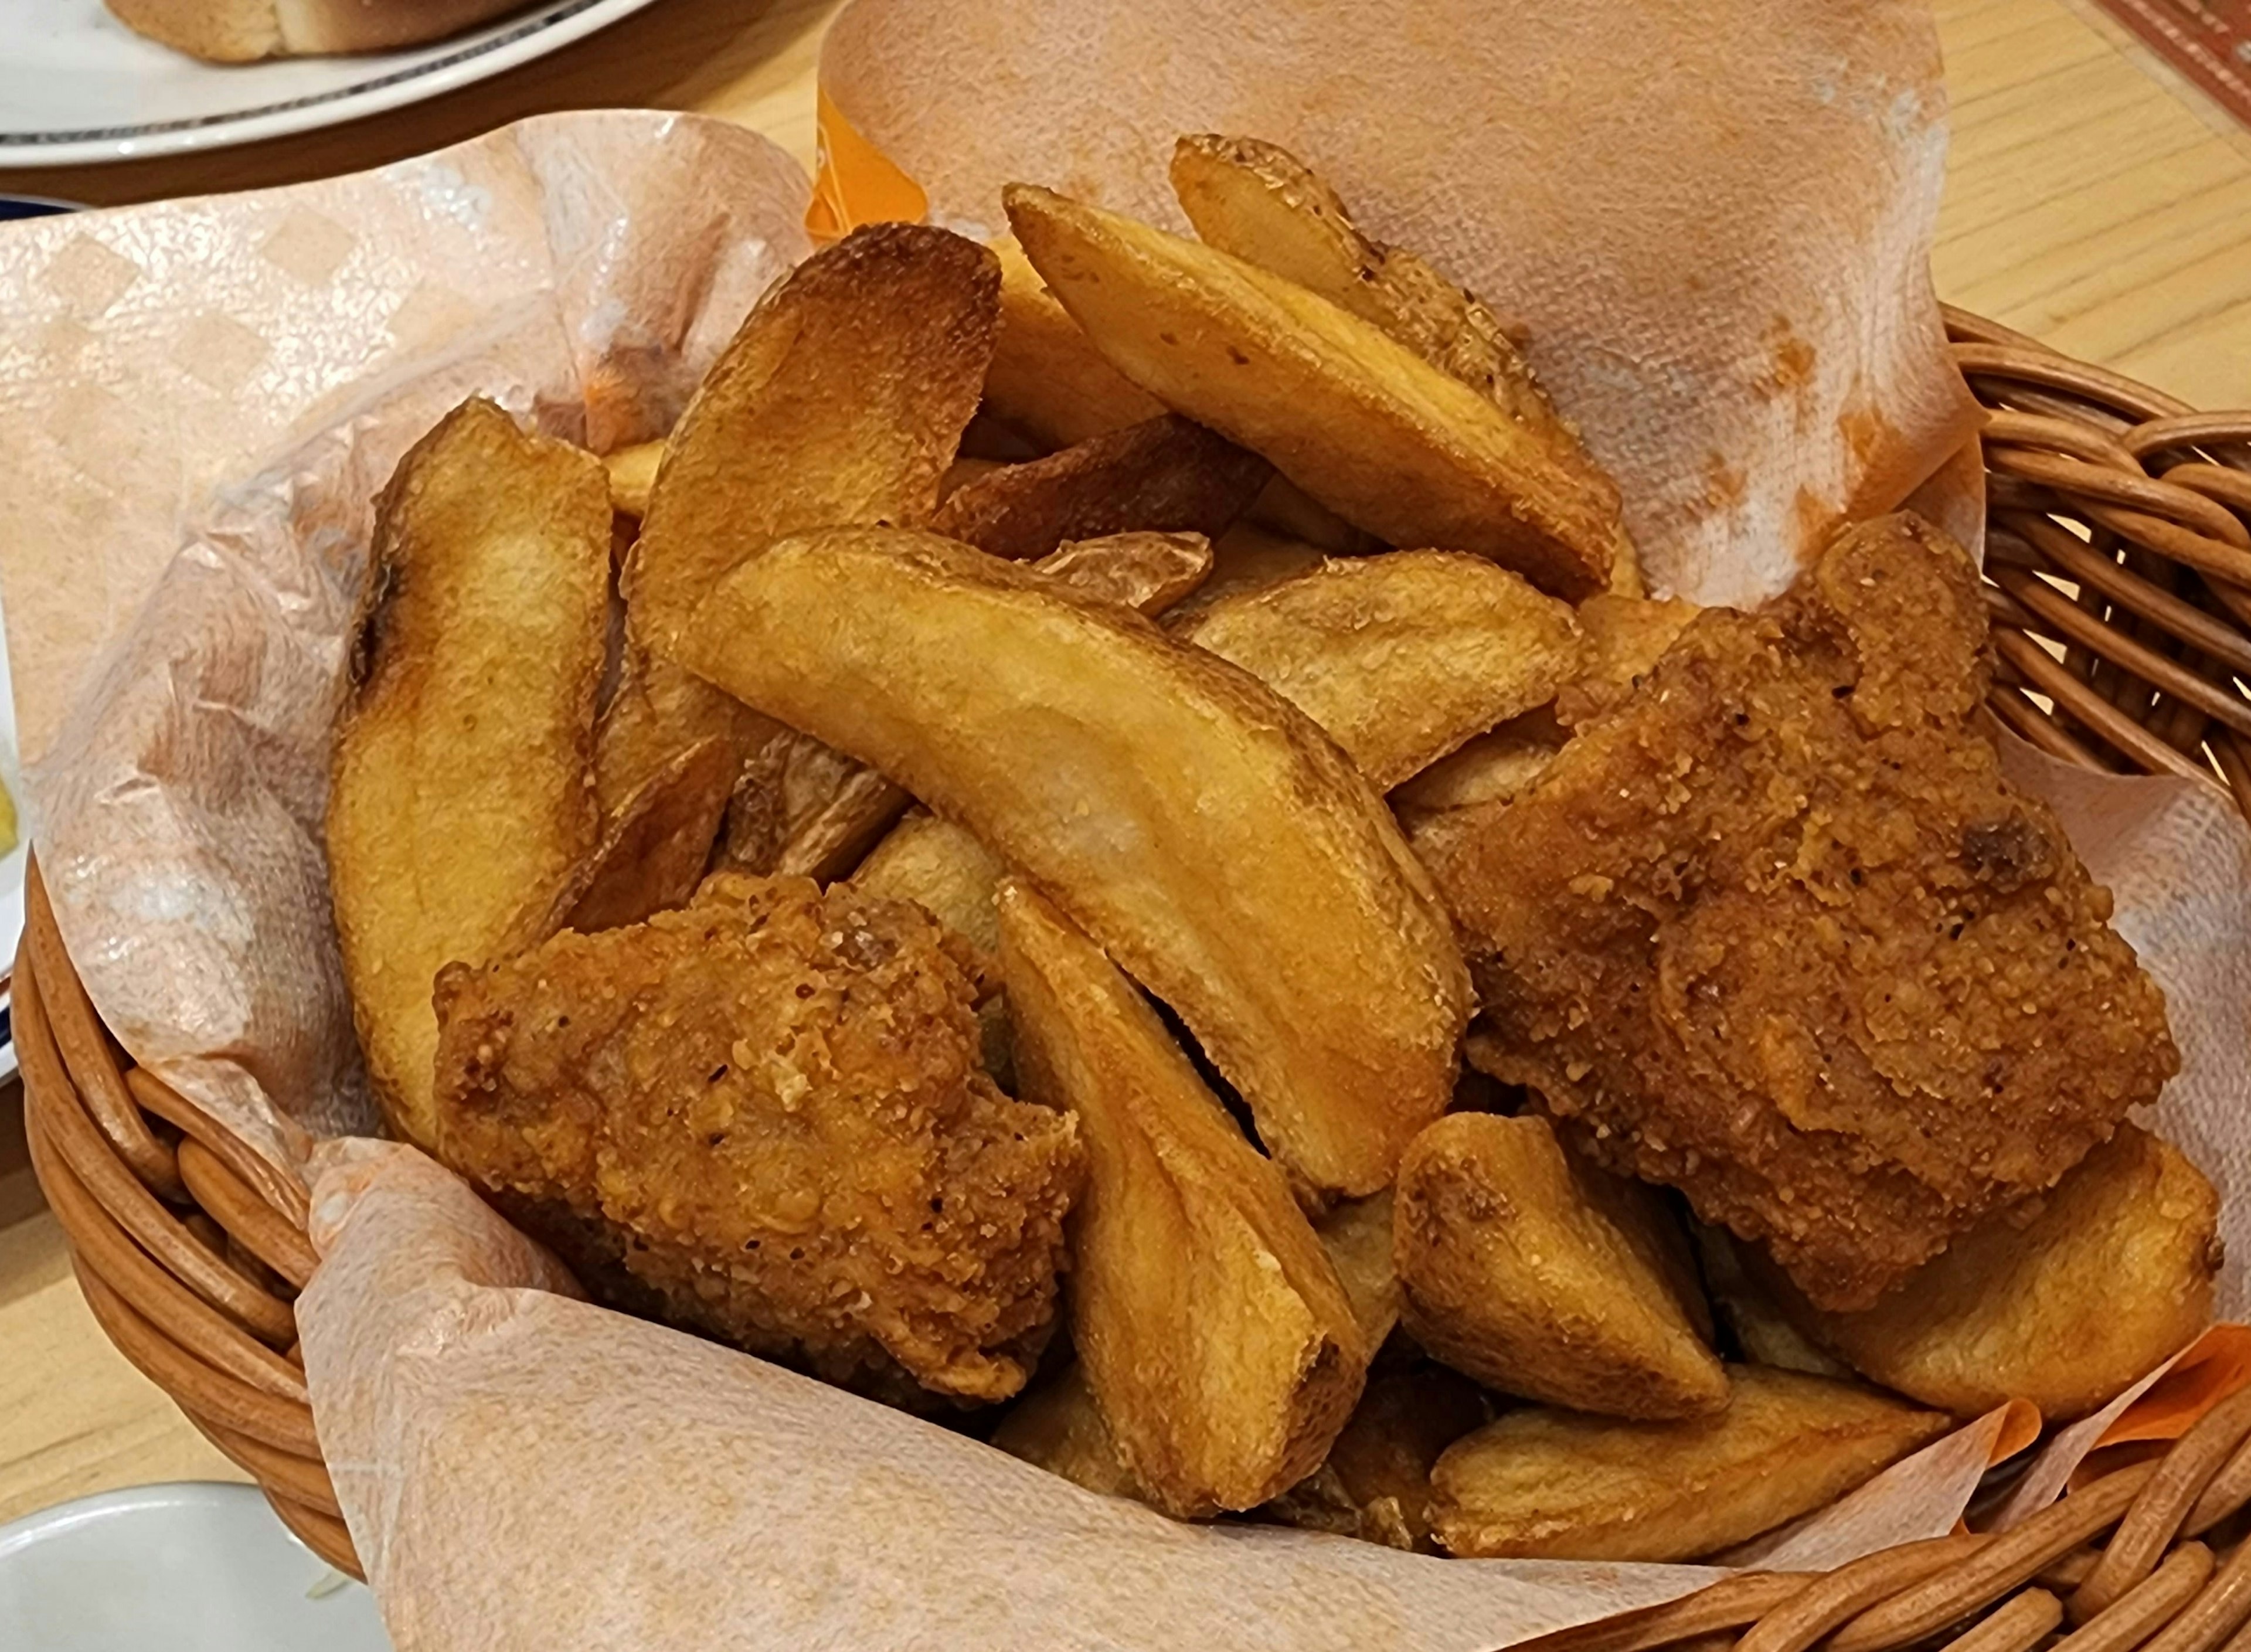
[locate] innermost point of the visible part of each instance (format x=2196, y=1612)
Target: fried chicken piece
x=1776, y=932
x=762, y=1114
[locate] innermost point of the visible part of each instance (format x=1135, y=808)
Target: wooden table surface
x=2093, y=200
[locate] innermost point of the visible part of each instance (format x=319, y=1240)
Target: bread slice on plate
x=245, y=31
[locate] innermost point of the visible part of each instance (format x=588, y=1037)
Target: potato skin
x=1542, y=1483
x=1547, y=1278
x=2114, y=1274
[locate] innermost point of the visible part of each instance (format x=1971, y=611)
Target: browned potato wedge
x=842, y=398
x=1222, y=848
x=1219, y=1344
x=2113, y=1275
x=1375, y=1485
x=1355, y=419
x=1399, y=657
x=1550, y=1484
x=1761, y=1331
x=805, y=809
x=1544, y=1277
x=461, y=795
x=1046, y=380
x=1627, y=637
x=633, y=473
x=1058, y=1427
x=653, y=850
x=658, y=712
x=1148, y=571
x=1357, y=1235
x=1167, y=475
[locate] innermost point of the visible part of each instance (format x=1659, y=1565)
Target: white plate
x=78, y=86
x=188, y=1568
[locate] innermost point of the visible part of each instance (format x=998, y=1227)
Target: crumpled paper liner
x=1714, y=217
x=198, y=401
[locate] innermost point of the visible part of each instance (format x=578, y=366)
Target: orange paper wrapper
x=199, y=400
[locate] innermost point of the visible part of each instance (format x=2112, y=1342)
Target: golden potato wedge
x=461, y=791
x=1355, y=419
x=842, y=398
x=1357, y=1235
x=941, y=868
x=1763, y=1332
x=1627, y=637
x=1260, y=203
x=633, y=473
x=654, y=851
x=1215, y=1337
x=1167, y=475
x=1285, y=510
x=1375, y=1485
x=1046, y=380
x=1147, y=572
x=1547, y=1278
x=2114, y=1274
x=1222, y=848
x=1549, y=1484
x=1402, y=657
x=1491, y=768
x=1058, y=1427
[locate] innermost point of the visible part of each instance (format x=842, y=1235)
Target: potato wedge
x=1167, y=475
x=1046, y=380
x=1547, y=1278
x=1375, y=1485
x=842, y=398
x=1248, y=558
x=652, y=852
x=1220, y=846
x=1215, y=1337
x=2113, y=1275
x=1357, y=1235
x=1147, y=572
x=462, y=793
x=1490, y=768
x=633, y=473
x=1625, y=638
x=1542, y=1483
x=1399, y=657
x=1357, y=420
x=1260, y=203
x=658, y=712
x=805, y=809
x=1762, y=1333
x=942, y=869
x=1058, y=1427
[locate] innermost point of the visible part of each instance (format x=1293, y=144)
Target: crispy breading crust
x=767, y=1106
x=1776, y=932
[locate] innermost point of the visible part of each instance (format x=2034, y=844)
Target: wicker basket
x=2119, y=532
